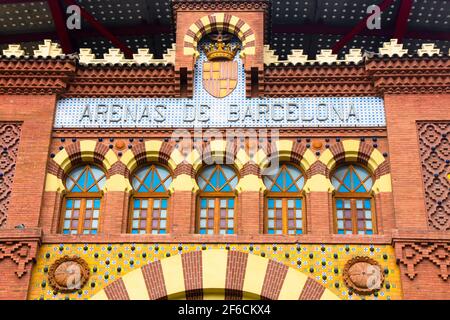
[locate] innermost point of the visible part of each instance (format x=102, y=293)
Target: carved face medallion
x=363, y=275
x=68, y=274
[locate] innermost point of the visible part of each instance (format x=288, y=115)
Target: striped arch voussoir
x=359, y=152
x=79, y=152
x=353, y=151
x=219, y=22
x=218, y=274
x=220, y=152
x=292, y=152
x=146, y=152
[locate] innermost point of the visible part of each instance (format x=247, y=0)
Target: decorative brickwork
x=234, y=280
x=117, y=291
x=250, y=168
x=400, y=75
x=21, y=253
x=410, y=254
x=235, y=5
x=154, y=280
x=125, y=81
x=312, y=290
x=192, y=269
x=219, y=22
x=9, y=141
x=184, y=168
x=312, y=81
x=363, y=154
x=273, y=282
x=35, y=76
x=317, y=168
x=435, y=156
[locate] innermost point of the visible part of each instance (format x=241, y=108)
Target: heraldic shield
x=220, y=77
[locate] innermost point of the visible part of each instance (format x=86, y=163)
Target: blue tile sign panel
x=207, y=111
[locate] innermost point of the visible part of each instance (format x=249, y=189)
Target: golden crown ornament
x=220, y=51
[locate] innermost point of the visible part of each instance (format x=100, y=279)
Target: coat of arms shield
x=220, y=77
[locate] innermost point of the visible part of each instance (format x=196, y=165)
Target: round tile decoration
x=363, y=275
x=68, y=274
x=120, y=144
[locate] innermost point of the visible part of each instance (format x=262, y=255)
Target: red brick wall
x=402, y=113
x=318, y=213
x=11, y=286
x=36, y=114
x=427, y=285
x=249, y=213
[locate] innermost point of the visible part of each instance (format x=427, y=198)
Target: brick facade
x=252, y=263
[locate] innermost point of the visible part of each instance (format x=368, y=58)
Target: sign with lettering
x=205, y=110
x=189, y=113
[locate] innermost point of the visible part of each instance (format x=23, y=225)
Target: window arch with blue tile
x=354, y=211
x=150, y=200
x=216, y=200
x=284, y=203
x=82, y=200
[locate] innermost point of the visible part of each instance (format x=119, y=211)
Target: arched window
x=284, y=202
x=82, y=202
x=354, y=212
x=216, y=200
x=150, y=200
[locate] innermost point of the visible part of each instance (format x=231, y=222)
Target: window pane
x=291, y=203
x=359, y=204
x=217, y=178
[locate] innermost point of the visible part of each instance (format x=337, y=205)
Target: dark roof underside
x=310, y=25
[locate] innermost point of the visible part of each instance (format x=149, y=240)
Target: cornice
x=313, y=80
x=410, y=75
x=35, y=75
x=373, y=76
x=124, y=81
